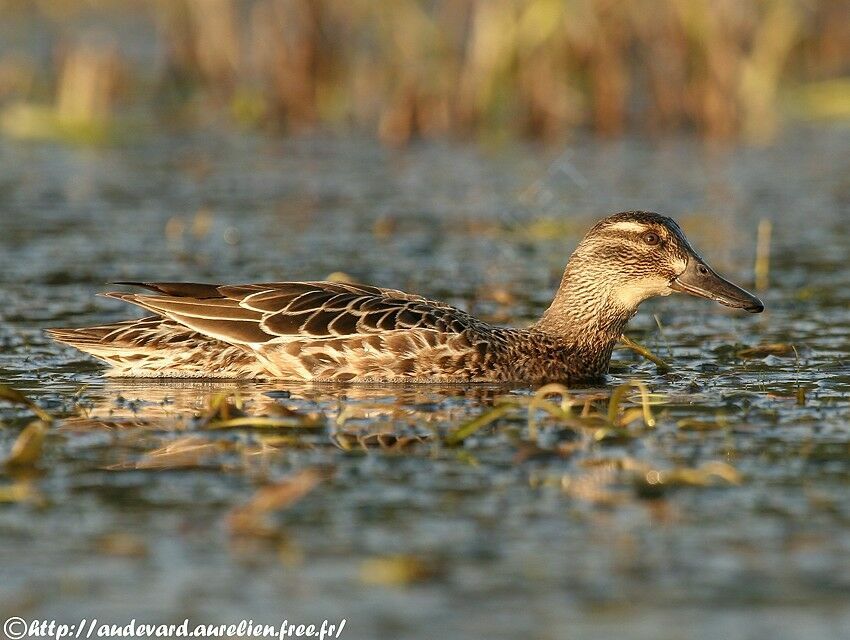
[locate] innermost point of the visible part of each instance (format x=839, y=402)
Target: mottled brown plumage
x=330, y=331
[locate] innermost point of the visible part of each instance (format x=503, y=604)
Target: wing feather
x=318, y=324
x=343, y=324
x=233, y=331
x=285, y=324
x=178, y=289
x=207, y=308
x=278, y=311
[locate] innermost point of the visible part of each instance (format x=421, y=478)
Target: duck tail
x=79, y=338
x=159, y=347
x=105, y=340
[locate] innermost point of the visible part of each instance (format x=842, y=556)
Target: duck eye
x=651, y=238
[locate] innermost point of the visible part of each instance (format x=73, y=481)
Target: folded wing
x=258, y=314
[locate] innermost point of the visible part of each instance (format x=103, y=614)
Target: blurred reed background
x=405, y=69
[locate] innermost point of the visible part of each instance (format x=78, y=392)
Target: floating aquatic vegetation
x=538, y=401
x=250, y=518
x=652, y=482
x=604, y=425
x=612, y=481
x=223, y=406
x=763, y=350
x=121, y=545
x=628, y=343
x=469, y=428
x=16, y=397
x=694, y=424
x=388, y=441
x=20, y=491
x=267, y=422
x=226, y=411
x=188, y=452
x=27, y=449
x=629, y=415
x=397, y=570
x=83, y=424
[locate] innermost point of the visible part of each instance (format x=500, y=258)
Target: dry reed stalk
x=540, y=68
x=762, y=266
x=87, y=86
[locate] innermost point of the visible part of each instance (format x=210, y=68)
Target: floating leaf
x=398, y=570
x=651, y=482
x=617, y=397
x=16, y=397
x=539, y=402
x=479, y=422
x=267, y=422
x=692, y=424
x=612, y=435
x=28, y=447
x=346, y=440
x=223, y=406
x=642, y=351
x=189, y=452
x=764, y=350
x=122, y=545
x=19, y=492
x=705, y=475
x=277, y=441
x=248, y=518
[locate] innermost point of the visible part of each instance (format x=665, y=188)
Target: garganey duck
x=331, y=331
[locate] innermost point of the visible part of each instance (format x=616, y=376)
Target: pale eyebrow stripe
x=633, y=227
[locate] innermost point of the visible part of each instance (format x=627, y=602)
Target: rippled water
x=496, y=537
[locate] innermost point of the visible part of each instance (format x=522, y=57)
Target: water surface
x=496, y=537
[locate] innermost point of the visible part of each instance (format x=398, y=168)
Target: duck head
x=625, y=259
x=645, y=254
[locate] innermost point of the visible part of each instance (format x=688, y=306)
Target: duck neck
x=586, y=315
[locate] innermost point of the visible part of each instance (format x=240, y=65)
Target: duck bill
x=698, y=279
